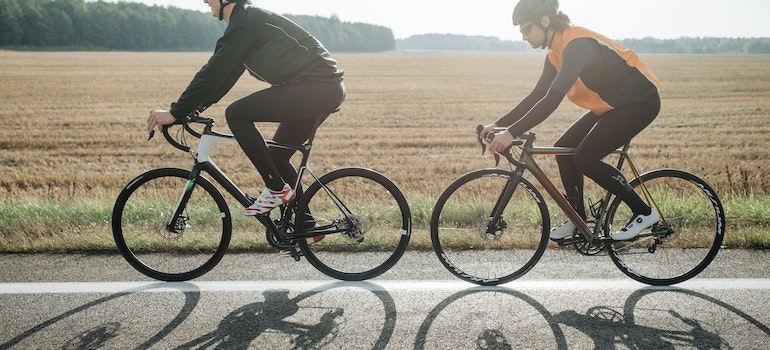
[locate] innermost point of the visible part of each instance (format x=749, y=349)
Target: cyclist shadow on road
x=242, y=326
x=667, y=318
x=103, y=334
x=501, y=318
x=273, y=317
x=608, y=327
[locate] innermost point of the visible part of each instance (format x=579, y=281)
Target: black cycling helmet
x=222, y=5
x=533, y=10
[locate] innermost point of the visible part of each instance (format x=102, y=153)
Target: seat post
x=623, y=155
x=320, y=118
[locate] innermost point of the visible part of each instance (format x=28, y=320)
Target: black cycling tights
x=296, y=108
x=595, y=137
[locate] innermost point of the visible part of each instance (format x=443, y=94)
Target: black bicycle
x=174, y=224
x=492, y=226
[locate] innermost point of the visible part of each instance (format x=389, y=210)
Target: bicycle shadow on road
x=272, y=322
x=502, y=318
x=100, y=335
x=498, y=317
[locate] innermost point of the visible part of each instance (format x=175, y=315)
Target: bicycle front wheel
x=371, y=216
x=684, y=243
x=474, y=249
x=178, y=251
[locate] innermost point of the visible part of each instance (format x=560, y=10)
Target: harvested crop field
x=73, y=128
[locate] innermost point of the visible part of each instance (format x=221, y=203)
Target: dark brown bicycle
x=491, y=226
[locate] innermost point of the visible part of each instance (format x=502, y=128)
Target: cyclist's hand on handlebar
x=480, y=134
x=502, y=141
x=159, y=118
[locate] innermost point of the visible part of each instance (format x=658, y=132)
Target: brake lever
x=479, y=129
x=152, y=133
x=489, y=137
x=496, y=155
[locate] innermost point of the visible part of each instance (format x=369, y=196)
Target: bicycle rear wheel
x=462, y=238
x=669, y=255
x=373, y=215
x=140, y=225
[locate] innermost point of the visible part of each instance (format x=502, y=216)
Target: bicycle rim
x=142, y=213
x=376, y=221
x=464, y=243
x=696, y=217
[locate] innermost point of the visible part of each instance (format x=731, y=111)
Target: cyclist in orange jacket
x=612, y=83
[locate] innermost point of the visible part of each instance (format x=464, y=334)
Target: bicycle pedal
x=294, y=253
x=563, y=242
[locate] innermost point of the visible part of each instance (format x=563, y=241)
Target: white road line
x=376, y=285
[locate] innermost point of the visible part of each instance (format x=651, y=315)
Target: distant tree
x=10, y=26
x=345, y=36
x=761, y=45
x=59, y=28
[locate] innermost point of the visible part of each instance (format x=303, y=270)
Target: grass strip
x=42, y=225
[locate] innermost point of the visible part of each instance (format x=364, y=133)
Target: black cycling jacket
x=271, y=47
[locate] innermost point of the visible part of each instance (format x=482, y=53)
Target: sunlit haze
x=617, y=19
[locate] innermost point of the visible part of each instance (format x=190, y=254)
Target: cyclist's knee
x=235, y=113
x=584, y=162
x=230, y=114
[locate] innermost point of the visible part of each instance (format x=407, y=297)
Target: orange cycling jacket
x=581, y=94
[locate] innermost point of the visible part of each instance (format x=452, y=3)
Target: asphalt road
x=259, y=301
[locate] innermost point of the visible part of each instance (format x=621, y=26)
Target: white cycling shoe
x=636, y=226
x=565, y=230
x=269, y=200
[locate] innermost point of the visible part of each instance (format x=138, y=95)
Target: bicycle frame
x=204, y=163
x=526, y=162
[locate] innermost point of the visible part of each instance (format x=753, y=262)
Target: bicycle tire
x=460, y=221
x=141, y=216
x=695, y=213
x=379, y=232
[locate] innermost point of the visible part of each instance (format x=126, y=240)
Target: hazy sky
x=617, y=19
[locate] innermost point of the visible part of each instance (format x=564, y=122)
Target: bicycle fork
x=496, y=219
x=178, y=221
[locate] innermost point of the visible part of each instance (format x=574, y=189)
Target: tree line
x=128, y=26
x=684, y=45
x=699, y=45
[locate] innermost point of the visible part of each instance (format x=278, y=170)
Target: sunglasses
x=527, y=28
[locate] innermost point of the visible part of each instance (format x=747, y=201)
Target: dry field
x=73, y=128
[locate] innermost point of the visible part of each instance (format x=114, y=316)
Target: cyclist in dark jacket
x=305, y=83
x=618, y=89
